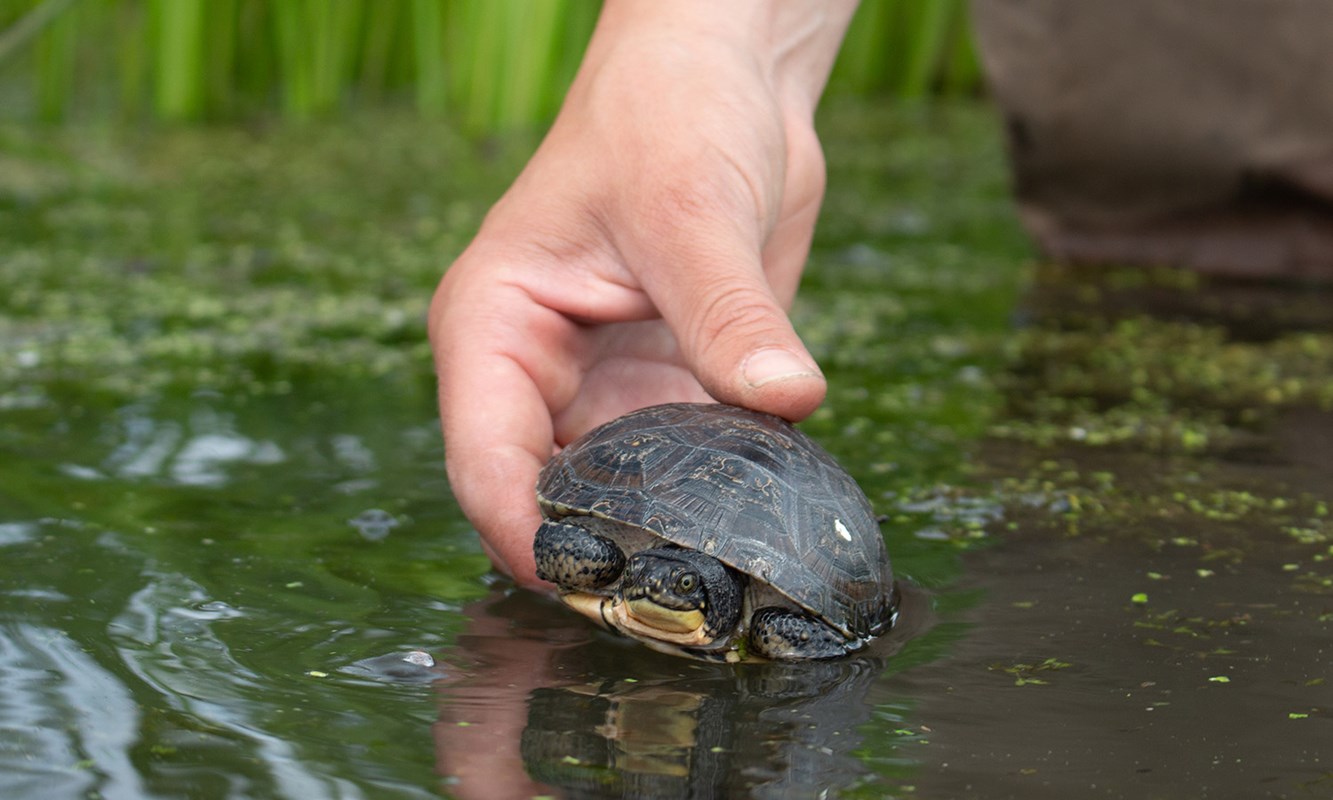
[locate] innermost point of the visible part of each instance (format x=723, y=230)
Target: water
x=230, y=565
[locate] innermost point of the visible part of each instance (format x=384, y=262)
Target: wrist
x=792, y=43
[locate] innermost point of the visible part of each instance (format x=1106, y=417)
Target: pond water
x=230, y=565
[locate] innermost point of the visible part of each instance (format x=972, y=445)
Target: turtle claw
x=576, y=559
x=779, y=634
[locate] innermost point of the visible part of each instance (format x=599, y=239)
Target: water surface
x=232, y=567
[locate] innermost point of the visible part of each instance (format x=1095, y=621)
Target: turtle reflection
x=534, y=701
x=753, y=730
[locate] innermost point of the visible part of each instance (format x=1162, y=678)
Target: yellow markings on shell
x=842, y=529
x=663, y=618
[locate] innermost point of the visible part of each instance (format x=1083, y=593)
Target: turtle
x=714, y=532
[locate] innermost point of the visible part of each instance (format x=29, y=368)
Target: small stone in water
x=412, y=666
x=419, y=658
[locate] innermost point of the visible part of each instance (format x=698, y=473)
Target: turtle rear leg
x=576, y=559
x=780, y=634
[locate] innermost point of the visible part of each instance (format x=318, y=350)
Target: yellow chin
x=667, y=620
x=642, y=619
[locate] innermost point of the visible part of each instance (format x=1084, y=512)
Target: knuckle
x=733, y=310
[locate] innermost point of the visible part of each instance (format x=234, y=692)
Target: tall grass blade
x=962, y=73
x=29, y=25
x=56, y=55
x=178, y=79
x=335, y=30
x=865, y=61
x=428, y=39
x=926, y=45
x=530, y=47
x=130, y=57
x=476, y=38
x=377, y=43
x=579, y=20
x=293, y=62
x=219, y=85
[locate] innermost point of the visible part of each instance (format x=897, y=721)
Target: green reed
x=491, y=64
x=908, y=48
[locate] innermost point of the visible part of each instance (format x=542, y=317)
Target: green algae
x=1025, y=674
x=225, y=258
x=1160, y=385
x=1163, y=361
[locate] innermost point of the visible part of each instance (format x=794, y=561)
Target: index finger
x=497, y=373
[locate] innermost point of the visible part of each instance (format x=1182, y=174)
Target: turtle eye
x=686, y=582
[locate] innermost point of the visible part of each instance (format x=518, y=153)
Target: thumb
x=740, y=344
x=706, y=278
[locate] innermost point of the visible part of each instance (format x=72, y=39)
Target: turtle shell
x=744, y=487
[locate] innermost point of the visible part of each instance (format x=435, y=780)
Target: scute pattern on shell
x=745, y=487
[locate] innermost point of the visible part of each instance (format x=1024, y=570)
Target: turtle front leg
x=780, y=634
x=576, y=559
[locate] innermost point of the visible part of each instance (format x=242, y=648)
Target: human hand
x=645, y=255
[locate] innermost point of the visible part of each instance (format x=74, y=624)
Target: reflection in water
x=553, y=704
x=167, y=607
x=374, y=523
x=195, y=455
x=67, y=726
x=153, y=685
x=762, y=731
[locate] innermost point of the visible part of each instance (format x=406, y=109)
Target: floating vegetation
x=1025, y=674
x=1159, y=386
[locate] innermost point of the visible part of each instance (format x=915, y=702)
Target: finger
x=697, y=252
x=497, y=426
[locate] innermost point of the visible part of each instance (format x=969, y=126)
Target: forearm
x=793, y=42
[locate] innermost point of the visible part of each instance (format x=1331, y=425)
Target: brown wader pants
x=1196, y=133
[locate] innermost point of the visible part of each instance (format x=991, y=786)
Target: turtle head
x=670, y=598
x=678, y=596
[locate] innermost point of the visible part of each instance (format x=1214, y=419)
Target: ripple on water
x=67, y=724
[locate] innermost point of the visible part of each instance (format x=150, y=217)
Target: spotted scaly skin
x=575, y=559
